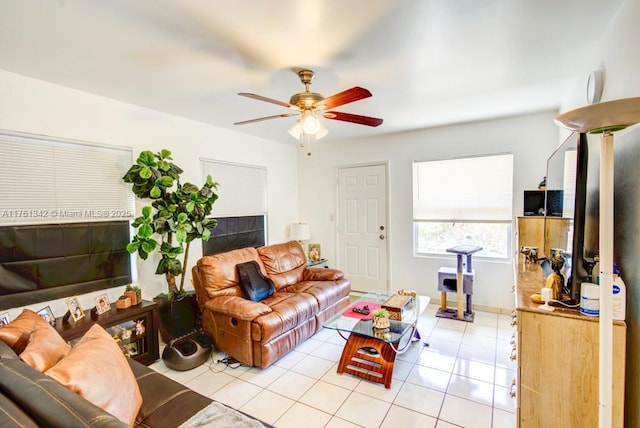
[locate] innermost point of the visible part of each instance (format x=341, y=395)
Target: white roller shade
x=51, y=180
x=569, y=182
x=470, y=189
x=242, y=189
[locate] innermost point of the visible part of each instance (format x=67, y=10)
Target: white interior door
x=362, y=226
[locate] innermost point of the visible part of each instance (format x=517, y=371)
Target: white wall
x=34, y=106
x=530, y=138
x=618, y=54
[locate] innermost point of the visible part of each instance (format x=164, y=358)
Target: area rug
x=219, y=415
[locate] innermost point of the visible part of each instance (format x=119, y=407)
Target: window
x=53, y=180
x=463, y=201
x=241, y=208
x=242, y=189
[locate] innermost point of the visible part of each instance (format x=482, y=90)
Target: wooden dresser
x=544, y=233
x=557, y=355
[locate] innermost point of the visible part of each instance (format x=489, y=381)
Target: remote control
x=364, y=310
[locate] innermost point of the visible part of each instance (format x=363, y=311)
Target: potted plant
x=134, y=293
x=381, y=318
x=177, y=215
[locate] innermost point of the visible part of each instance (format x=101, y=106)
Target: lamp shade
x=299, y=231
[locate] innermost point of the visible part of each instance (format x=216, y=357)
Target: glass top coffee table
x=370, y=353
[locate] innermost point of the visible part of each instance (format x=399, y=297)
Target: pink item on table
x=372, y=307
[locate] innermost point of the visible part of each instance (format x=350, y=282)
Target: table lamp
x=299, y=232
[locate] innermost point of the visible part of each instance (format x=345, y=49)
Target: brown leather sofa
x=258, y=333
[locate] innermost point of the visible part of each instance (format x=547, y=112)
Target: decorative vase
x=177, y=317
x=123, y=303
x=381, y=322
x=133, y=296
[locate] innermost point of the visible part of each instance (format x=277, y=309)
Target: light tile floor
x=461, y=379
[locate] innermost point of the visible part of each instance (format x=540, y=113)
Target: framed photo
x=102, y=304
x=131, y=349
x=74, y=308
x=4, y=318
x=47, y=315
x=314, y=252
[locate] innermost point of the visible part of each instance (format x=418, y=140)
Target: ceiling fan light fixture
x=322, y=131
x=311, y=107
x=296, y=130
x=310, y=123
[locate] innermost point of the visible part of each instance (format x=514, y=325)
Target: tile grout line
x=412, y=364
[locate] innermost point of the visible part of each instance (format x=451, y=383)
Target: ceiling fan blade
x=354, y=118
x=345, y=97
x=244, y=122
x=269, y=100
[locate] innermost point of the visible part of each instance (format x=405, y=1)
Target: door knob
x=381, y=236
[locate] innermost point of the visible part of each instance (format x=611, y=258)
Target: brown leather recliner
x=258, y=333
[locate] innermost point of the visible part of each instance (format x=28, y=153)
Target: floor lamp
x=604, y=118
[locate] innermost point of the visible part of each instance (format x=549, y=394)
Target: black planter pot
x=178, y=317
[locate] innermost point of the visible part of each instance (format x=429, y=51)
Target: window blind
x=469, y=189
x=50, y=180
x=569, y=182
x=242, y=189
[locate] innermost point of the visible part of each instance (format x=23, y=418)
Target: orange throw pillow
x=37, y=342
x=97, y=370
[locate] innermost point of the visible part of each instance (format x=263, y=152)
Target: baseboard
x=476, y=307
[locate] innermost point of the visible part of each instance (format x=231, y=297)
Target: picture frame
x=131, y=349
x=75, y=309
x=315, y=252
x=4, y=318
x=47, y=314
x=102, y=304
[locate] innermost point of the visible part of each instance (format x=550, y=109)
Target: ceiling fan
x=309, y=105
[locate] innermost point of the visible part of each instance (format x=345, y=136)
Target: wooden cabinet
x=121, y=324
x=544, y=233
x=557, y=355
x=558, y=367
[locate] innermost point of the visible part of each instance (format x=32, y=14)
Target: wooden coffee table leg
x=368, y=358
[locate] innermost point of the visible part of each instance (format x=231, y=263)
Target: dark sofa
x=29, y=398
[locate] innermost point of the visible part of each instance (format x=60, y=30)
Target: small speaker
x=187, y=352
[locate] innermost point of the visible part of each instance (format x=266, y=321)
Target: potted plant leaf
x=178, y=214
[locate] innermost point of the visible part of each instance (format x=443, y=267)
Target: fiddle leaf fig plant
x=176, y=210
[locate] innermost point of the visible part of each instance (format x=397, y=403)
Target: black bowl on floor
x=187, y=352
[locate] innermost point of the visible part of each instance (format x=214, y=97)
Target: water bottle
x=619, y=299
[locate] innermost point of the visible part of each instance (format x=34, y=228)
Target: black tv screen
x=554, y=203
x=579, y=272
x=534, y=201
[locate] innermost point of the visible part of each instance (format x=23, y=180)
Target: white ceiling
x=427, y=62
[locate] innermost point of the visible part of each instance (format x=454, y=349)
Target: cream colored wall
x=530, y=138
x=618, y=54
x=34, y=106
